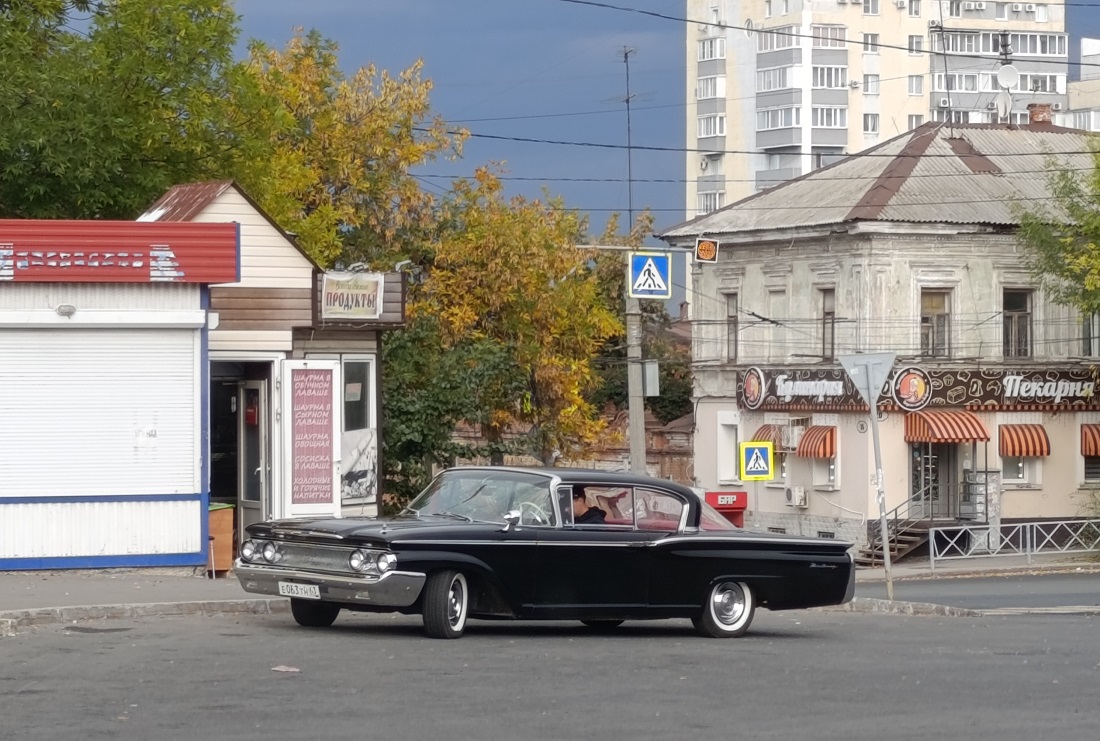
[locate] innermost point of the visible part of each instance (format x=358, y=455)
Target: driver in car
x=583, y=514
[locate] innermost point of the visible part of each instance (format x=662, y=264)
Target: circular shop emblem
x=752, y=388
x=912, y=389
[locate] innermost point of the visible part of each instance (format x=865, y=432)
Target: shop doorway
x=934, y=481
x=240, y=441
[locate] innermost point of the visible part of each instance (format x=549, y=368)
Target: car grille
x=315, y=558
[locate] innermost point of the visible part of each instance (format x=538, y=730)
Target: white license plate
x=305, y=591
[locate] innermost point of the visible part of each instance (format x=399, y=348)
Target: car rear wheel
x=313, y=614
x=728, y=610
x=602, y=624
x=446, y=604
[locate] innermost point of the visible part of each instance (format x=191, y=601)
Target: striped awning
x=818, y=441
x=768, y=434
x=1090, y=440
x=943, y=426
x=1023, y=441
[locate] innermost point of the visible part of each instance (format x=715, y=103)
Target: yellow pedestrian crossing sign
x=757, y=461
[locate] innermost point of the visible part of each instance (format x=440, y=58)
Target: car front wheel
x=446, y=604
x=728, y=610
x=313, y=614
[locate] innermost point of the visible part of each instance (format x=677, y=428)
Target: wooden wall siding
x=393, y=305
x=268, y=259
x=261, y=308
x=239, y=341
x=332, y=341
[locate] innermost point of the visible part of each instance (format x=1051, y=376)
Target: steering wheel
x=538, y=515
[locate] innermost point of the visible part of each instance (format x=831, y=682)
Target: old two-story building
x=988, y=414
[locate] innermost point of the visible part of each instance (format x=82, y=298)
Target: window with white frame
x=914, y=8
x=916, y=84
x=916, y=44
x=786, y=6
x=727, y=453
x=776, y=78
x=1040, y=83
x=870, y=84
x=778, y=118
x=915, y=120
x=1019, y=470
x=829, y=36
x=779, y=467
x=870, y=123
x=767, y=8
x=963, y=43
x=943, y=115
x=783, y=161
x=830, y=77
x=870, y=43
x=711, y=125
x=1092, y=468
x=711, y=87
x=1024, y=44
x=732, y=326
x=950, y=81
x=829, y=117
x=935, y=323
x=1041, y=14
x=824, y=472
x=870, y=7
x=1001, y=13
x=1090, y=335
x=955, y=9
x=710, y=200
x=714, y=48
x=784, y=37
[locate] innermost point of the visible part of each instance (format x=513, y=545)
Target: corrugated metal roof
x=920, y=176
x=185, y=202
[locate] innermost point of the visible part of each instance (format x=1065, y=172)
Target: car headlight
x=271, y=552
x=357, y=560
x=385, y=562
x=248, y=550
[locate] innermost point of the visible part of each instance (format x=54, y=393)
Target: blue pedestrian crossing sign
x=757, y=461
x=651, y=275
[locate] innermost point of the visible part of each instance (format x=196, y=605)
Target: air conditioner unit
x=1017, y=7
x=1030, y=8
x=979, y=6
x=792, y=434
x=1055, y=106
x=968, y=6
x=901, y=3
x=795, y=496
x=944, y=102
x=842, y=2
x=991, y=106
x=934, y=24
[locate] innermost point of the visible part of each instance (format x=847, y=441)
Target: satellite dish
x=1004, y=103
x=1008, y=76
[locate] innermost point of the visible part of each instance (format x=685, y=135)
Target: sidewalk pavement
x=30, y=598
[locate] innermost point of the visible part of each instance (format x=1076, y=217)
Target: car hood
x=380, y=531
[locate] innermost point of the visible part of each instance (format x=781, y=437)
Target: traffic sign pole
x=869, y=372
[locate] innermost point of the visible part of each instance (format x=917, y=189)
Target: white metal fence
x=1018, y=539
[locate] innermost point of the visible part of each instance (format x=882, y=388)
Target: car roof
x=590, y=476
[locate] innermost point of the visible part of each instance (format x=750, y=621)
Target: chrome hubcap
x=728, y=603
x=455, y=603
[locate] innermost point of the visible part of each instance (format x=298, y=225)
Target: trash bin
x=221, y=540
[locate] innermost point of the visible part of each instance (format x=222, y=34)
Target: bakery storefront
x=103, y=365
x=958, y=444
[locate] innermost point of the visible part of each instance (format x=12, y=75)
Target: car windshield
x=479, y=495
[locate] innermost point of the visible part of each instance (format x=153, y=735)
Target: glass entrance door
x=254, y=455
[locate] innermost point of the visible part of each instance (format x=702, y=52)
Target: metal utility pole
x=635, y=399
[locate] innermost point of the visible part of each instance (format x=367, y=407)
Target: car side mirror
x=511, y=519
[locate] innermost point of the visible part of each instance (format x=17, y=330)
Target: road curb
x=13, y=619
x=889, y=607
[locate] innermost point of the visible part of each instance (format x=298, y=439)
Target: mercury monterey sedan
x=543, y=544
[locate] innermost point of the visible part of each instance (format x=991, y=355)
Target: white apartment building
x=777, y=88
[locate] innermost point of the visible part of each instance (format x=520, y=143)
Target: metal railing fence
x=1016, y=539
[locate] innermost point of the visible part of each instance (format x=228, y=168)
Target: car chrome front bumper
x=392, y=589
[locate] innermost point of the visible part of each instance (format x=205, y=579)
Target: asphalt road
x=816, y=675
x=983, y=593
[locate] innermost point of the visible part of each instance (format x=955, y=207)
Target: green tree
x=99, y=124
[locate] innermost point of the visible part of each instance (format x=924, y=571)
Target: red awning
x=1090, y=440
x=1023, y=441
x=768, y=434
x=818, y=441
x=943, y=426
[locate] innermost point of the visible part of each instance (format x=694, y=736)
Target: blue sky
x=539, y=69
x=506, y=59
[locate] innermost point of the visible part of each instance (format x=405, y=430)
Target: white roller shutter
x=99, y=412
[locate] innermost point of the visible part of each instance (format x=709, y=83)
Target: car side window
x=591, y=504
x=657, y=510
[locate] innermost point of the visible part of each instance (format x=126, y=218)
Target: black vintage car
x=543, y=544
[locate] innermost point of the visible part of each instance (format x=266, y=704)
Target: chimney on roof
x=1038, y=113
